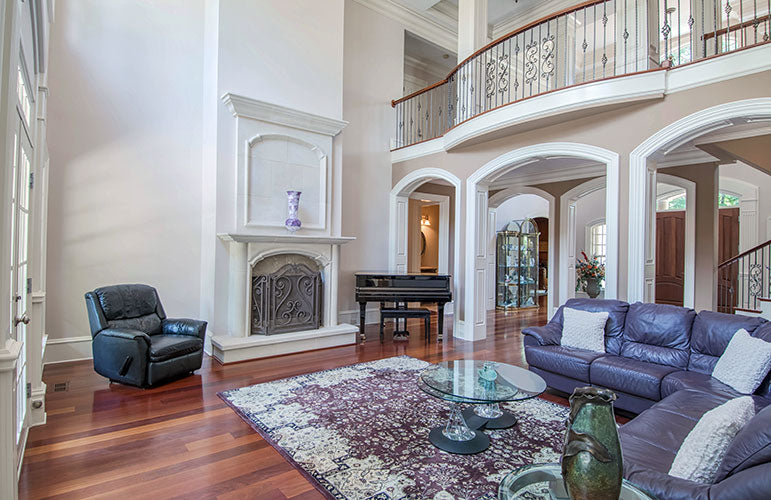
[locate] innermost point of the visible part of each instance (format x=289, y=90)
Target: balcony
x=628, y=46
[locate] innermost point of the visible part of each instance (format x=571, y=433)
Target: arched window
x=597, y=240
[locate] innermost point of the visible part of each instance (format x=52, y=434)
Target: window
x=726, y=200
x=598, y=241
x=23, y=93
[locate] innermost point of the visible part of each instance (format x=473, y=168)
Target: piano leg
x=440, y=321
x=362, y=320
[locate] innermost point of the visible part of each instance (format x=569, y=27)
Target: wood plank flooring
x=181, y=441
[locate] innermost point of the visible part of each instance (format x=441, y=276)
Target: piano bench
x=404, y=313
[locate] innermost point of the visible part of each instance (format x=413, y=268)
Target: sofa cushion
x=635, y=377
x=658, y=333
x=745, y=362
x=566, y=361
x=710, y=335
x=614, y=328
x=584, y=329
x=703, y=449
x=163, y=347
x=652, y=438
x=764, y=332
x=678, y=380
x=751, y=447
x=127, y=301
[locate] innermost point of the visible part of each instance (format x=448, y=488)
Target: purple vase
x=293, y=201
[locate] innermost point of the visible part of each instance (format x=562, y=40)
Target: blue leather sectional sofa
x=659, y=360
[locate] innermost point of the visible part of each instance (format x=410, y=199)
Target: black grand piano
x=402, y=287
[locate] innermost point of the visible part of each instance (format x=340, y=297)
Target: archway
x=474, y=323
x=498, y=198
x=642, y=181
x=398, y=223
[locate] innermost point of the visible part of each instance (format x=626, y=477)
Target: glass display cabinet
x=517, y=265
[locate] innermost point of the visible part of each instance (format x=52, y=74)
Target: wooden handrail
x=495, y=42
x=743, y=254
x=745, y=24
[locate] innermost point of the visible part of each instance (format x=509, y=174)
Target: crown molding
x=413, y=64
x=438, y=28
x=247, y=107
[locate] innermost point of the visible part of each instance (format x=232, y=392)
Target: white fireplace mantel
x=289, y=239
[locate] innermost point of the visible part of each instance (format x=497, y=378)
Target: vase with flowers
x=589, y=275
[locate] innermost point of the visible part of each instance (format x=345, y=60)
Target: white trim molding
x=247, y=107
x=67, y=349
x=477, y=187
x=443, y=261
x=397, y=227
x=689, y=280
x=642, y=172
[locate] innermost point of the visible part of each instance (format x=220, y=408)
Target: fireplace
x=286, y=295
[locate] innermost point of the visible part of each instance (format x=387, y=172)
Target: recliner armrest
x=665, y=486
x=125, y=334
x=549, y=334
x=184, y=326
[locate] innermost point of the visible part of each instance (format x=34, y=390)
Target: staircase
x=744, y=283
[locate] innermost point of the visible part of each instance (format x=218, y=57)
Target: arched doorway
x=474, y=323
x=643, y=167
x=398, y=234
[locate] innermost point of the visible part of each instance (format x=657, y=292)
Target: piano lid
x=396, y=274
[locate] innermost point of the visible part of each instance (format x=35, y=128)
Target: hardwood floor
x=181, y=441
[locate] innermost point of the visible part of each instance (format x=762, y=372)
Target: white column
x=332, y=280
x=238, y=317
x=472, y=26
x=9, y=353
x=474, y=310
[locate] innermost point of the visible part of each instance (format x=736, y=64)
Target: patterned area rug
x=361, y=432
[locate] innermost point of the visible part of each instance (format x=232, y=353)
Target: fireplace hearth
x=287, y=300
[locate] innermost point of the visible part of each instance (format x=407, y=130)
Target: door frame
x=444, y=226
x=689, y=278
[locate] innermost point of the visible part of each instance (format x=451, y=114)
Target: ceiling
x=439, y=62
x=551, y=169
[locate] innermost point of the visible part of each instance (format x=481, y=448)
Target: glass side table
x=482, y=384
x=544, y=482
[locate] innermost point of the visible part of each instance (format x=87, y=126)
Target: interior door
x=670, y=257
x=727, y=247
x=22, y=182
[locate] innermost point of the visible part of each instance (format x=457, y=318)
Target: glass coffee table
x=544, y=482
x=484, y=385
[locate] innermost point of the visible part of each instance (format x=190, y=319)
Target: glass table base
x=480, y=442
x=475, y=421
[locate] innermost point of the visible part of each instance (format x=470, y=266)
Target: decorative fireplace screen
x=288, y=300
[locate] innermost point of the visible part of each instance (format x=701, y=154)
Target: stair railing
x=744, y=279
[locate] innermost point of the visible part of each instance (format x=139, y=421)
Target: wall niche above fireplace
x=286, y=295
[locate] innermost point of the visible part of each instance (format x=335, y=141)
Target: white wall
x=125, y=147
x=519, y=207
x=368, y=89
x=288, y=53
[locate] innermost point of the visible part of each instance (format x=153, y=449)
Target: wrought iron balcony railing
x=592, y=41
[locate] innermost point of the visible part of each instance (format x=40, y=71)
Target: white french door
x=22, y=183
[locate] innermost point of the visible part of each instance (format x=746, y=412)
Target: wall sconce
x=425, y=221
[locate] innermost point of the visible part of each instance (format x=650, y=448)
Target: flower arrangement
x=589, y=270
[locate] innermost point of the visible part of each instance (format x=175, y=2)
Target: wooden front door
x=727, y=247
x=670, y=257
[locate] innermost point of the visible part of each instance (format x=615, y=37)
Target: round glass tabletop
x=481, y=381
x=544, y=482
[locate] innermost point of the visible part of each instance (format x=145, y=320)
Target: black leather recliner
x=134, y=342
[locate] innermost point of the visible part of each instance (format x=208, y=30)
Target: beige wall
x=124, y=138
x=620, y=130
x=430, y=258
x=367, y=90
x=448, y=191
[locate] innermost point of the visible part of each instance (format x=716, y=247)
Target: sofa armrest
x=549, y=334
x=184, y=326
x=121, y=354
x=665, y=486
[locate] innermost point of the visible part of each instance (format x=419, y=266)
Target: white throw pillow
x=584, y=329
x=745, y=362
x=703, y=449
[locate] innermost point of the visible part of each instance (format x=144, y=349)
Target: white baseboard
x=67, y=349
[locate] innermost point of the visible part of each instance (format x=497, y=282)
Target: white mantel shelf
x=286, y=239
